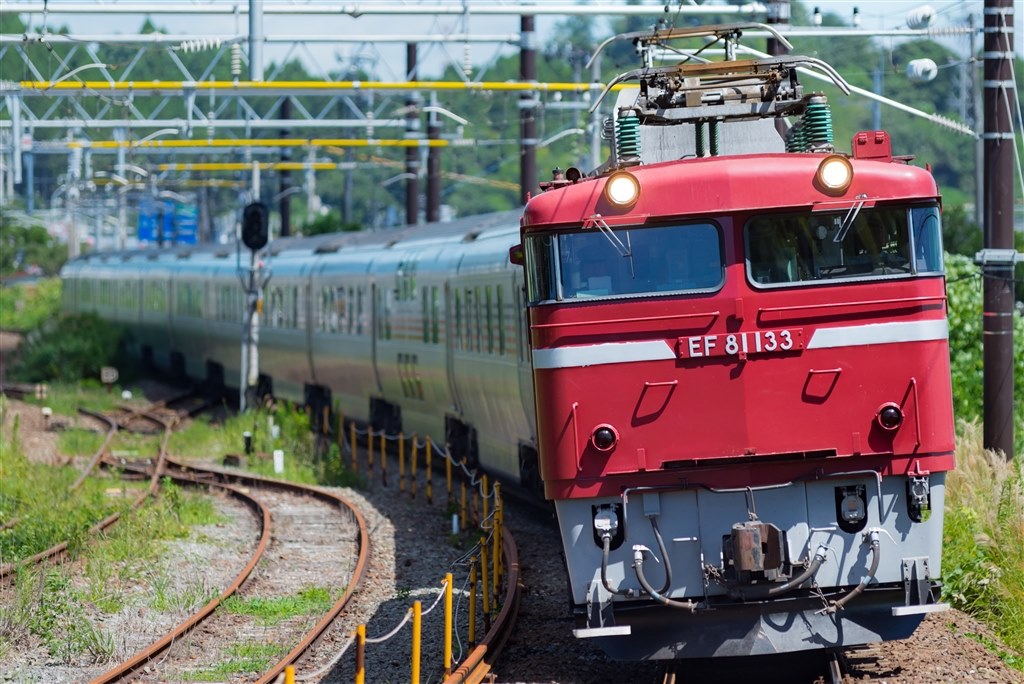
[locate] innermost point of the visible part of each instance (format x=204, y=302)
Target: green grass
x=244, y=658
x=983, y=564
x=270, y=611
x=301, y=462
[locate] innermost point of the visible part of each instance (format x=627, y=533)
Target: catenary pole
x=997, y=258
x=412, y=130
x=527, y=108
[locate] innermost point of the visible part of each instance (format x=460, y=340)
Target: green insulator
x=698, y=140
x=793, y=137
x=627, y=138
x=818, y=123
x=713, y=130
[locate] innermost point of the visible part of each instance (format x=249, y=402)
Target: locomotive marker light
x=604, y=438
x=622, y=189
x=890, y=416
x=834, y=175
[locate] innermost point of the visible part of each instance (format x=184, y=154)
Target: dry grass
x=984, y=539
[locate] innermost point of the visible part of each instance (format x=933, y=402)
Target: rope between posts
x=474, y=480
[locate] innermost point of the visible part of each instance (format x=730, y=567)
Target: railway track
x=164, y=422
x=302, y=526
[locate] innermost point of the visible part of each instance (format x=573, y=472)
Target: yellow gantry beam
x=256, y=86
x=242, y=166
x=254, y=142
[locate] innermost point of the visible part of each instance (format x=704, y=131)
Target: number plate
x=741, y=344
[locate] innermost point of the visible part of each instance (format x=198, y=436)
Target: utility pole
x=256, y=40
x=778, y=13
x=433, y=165
x=998, y=256
x=412, y=132
x=285, y=176
x=527, y=108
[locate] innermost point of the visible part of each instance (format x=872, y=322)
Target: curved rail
x=362, y=561
x=477, y=665
x=94, y=461
x=58, y=550
x=127, y=667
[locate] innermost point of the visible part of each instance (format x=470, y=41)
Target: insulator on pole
x=236, y=60
x=922, y=70
x=920, y=17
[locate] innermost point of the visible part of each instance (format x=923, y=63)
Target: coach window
x=425, y=317
x=624, y=262
x=457, y=324
x=435, y=314
x=860, y=243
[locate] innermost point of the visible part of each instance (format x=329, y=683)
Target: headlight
x=622, y=189
x=835, y=173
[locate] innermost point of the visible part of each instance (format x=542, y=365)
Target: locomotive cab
x=741, y=368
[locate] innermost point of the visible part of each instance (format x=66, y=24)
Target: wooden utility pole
x=527, y=108
x=998, y=256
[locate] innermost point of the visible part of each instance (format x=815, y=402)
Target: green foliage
x=244, y=658
x=37, y=495
x=272, y=610
x=28, y=306
x=27, y=247
x=964, y=292
x=983, y=564
x=68, y=350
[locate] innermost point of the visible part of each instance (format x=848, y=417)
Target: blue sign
x=165, y=222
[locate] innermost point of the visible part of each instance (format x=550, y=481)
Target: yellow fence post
x=463, y=508
x=417, y=611
x=361, y=654
x=383, y=459
x=412, y=466
x=369, y=450
x=289, y=674
x=483, y=503
x=484, y=593
x=401, y=461
x=448, y=471
x=341, y=437
x=352, y=439
x=429, y=473
x=496, y=555
x=448, y=624
x=472, y=602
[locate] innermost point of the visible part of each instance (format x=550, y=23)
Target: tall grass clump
x=983, y=567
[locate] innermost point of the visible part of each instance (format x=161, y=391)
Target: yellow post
x=383, y=459
x=476, y=505
x=463, y=509
x=417, y=611
x=369, y=450
x=361, y=654
x=352, y=439
x=429, y=473
x=289, y=674
x=448, y=624
x=496, y=536
x=484, y=593
x=472, y=602
x=401, y=461
x=412, y=467
x=448, y=472
x=483, y=497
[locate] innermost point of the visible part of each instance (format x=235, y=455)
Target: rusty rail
x=477, y=666
x=363, y=542
x=58, y=550
x=142, y=657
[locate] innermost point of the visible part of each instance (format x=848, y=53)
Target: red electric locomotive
x=741, y=370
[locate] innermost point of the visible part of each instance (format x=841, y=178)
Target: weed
x=243, y=658
x=270, y=611
x=983, y=564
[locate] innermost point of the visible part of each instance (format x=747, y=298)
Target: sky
x=390, y=58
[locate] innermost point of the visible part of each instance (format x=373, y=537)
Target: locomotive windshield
x=615, y=262
x=849, y=245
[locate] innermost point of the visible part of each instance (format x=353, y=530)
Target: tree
x=28, y=247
